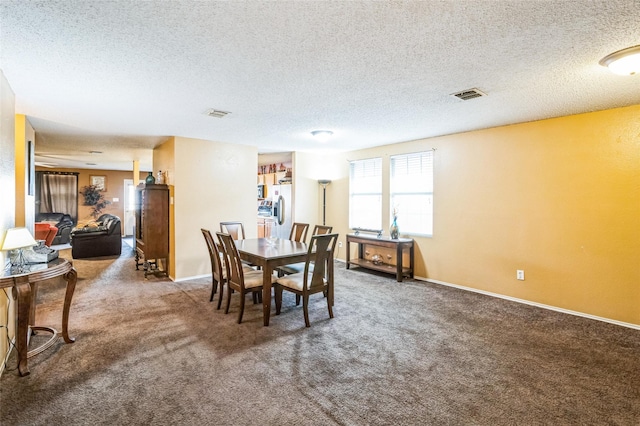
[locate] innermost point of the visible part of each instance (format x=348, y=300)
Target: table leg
x=22, y=294
x=267, y=271
x=348, y=252
x=71, y=277
x=399, y=263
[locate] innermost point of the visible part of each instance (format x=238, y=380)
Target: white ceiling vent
x=465, y=95
x=217, y=113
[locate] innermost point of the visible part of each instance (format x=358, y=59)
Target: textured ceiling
x=121, y=76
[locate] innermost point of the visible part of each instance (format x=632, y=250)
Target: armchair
x=62, y=221
x=45, y=231
x=103, y=239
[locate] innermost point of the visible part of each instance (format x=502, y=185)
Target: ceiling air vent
x=217, y=113
x=465, y=95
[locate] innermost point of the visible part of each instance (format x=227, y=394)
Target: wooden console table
x=398, y=245
x=25, y=288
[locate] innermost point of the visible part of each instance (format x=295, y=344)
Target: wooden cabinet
x=383, y=265
x=264, y=227
x=152, y=227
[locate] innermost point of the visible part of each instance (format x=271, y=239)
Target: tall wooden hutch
x=152, y=227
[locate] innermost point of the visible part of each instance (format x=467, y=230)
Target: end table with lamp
x=23, y=279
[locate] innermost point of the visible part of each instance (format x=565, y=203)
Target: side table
x=24, y=288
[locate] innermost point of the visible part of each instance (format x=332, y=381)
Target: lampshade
x=623, y=62
x=17, y=238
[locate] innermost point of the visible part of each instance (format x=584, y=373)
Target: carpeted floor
x=157, y=352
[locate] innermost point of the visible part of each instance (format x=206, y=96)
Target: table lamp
x=18, y=239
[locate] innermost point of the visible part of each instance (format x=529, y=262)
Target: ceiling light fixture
x=623, y=62
x=216, y=113
x=322, y=135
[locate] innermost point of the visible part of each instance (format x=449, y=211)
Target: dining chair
x=322, y=229
x=295, y=268
x=318, y=279
x=218, y=269
x=218, y=275
x=238, y=278
x=299, y=231
x=235, y=229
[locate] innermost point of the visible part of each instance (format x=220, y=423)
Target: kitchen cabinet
x=264, y=227
x=270, y=178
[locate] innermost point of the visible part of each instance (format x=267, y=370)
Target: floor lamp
x=324, y=183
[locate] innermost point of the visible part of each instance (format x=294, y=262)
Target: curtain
x=58, y=193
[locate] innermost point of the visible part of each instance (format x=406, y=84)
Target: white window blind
x=365, y=193
x=411, y=190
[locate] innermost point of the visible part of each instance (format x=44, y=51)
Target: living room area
x=522, y=301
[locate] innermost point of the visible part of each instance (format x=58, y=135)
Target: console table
x=398, y=244
x=24, y=286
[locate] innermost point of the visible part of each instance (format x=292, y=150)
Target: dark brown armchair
x=104, y=239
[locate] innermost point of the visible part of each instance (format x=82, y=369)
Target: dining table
x=269, y=253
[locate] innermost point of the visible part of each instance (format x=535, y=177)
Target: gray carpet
x=156, y=352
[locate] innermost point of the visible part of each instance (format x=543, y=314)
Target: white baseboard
x=528, y=302
x=195, y=277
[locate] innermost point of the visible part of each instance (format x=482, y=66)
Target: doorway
x=129, y=207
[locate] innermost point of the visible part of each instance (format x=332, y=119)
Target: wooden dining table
x=269, y=254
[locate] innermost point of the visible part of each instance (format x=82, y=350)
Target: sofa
x=45, y=231
x=62, y=221
x=100, y=238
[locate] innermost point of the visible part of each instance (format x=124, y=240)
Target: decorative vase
x=160, y=179
x=393, y=230
x=150, y=180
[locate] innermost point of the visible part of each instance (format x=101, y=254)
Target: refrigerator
x=282, y=208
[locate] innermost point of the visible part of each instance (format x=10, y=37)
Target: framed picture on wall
x=99, y=182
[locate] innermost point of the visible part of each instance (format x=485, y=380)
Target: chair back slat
x=214, y=254
x=299, y=232
x=322, y=229
x=321, y=251
x=233, y=263
x=235, y=229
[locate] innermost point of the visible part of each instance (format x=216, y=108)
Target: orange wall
x=115, y=189
x=558, y=198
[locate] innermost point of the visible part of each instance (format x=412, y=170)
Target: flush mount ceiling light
x=322, y=135
x=216, y=113
x=623, y=62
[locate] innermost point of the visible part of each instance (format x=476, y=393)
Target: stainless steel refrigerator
x=282, y=209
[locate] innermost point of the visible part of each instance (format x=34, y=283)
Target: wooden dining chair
x=235, y=229
x=295, y=268
x=238, y=278
x=322, y=229
x=318, y=279
x=218, y=269
x=299, y=231
x=218, y=275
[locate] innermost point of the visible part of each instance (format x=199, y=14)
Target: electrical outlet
x=339, y=243
x=520, y=274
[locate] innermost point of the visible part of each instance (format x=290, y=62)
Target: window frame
x=426, y=191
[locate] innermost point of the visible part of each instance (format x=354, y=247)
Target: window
x=365, y=194
x=411, y=190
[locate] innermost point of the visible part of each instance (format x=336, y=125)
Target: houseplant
x=94, y=197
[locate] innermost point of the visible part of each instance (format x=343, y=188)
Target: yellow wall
x=163, y=160
x=24, y=202
x=558, y=198
x=7, y=206
x=213, y=182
